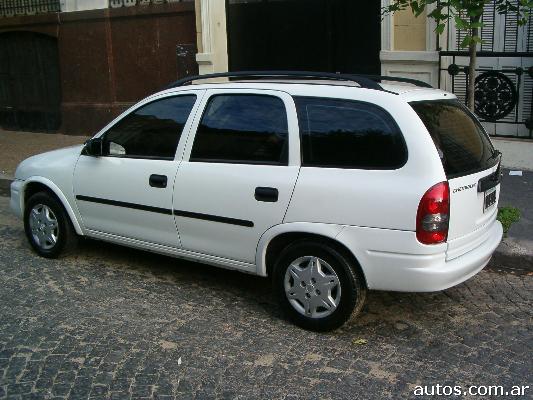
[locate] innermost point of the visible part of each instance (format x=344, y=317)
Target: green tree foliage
x=466, y=15
x=508, y=216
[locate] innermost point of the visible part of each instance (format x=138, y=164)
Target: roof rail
x=365, y=81
x=416, y=82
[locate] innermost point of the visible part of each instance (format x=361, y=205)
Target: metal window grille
x=12, y=8
x=512, y=39
x=506, y=49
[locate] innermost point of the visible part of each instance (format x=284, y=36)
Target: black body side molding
x=214, y=218
x=116, y=203
x=166, y=211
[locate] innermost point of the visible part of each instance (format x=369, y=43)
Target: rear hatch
x=472, y=167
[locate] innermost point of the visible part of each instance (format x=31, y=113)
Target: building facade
x=70, y=66
x=354, y=37
x=110, y=53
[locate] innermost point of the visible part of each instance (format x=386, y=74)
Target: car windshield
x=462, y=144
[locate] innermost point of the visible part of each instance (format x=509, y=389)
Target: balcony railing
x=130, y=3
x=12, y=8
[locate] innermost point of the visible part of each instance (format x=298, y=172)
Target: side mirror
x=93, y=147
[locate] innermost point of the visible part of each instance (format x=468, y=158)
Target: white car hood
x=49, y=164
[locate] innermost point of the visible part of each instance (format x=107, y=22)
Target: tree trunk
x=472, y=47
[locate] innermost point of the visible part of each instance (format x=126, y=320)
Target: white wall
x=82, y=5
x=211, y=28
x=421, y=64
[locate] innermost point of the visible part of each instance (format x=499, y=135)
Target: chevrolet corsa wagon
x=330, y=184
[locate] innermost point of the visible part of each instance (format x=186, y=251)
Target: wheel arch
x=280, y=236
x=37, y=184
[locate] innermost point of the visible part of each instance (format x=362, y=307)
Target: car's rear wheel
x=47, y=225
x=318, y=287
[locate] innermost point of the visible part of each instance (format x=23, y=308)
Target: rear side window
x=348, y=134
x=152, y=131
x=244, y=129
x=462, y=144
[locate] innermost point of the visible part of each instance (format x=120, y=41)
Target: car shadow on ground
x=388, y=309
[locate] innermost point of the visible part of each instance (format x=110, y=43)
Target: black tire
x=352, y=286
x=65, y=233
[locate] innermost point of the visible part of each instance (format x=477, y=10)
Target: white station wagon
x=330, y=184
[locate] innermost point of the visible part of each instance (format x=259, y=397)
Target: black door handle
x=267, y=194
x=158, y=181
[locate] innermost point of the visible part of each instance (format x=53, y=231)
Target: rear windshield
x=463, y=145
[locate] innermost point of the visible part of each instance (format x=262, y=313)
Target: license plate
x=490, y=199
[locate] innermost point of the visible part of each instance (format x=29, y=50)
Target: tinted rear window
x=463, y=145
x=348, y=134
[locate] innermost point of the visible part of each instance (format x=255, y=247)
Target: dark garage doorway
x=30, y=87
x=317, y=35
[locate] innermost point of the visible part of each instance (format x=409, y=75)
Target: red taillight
x=433, y=215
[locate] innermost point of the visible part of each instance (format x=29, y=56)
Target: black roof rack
x=416, y=82
x=365, y=81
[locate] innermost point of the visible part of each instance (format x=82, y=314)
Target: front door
x=127, y=192
x=238, y=172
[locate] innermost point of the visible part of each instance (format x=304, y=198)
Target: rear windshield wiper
x=495, y=154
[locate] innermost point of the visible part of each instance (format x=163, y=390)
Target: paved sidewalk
x=517, y=153
x=517, y=248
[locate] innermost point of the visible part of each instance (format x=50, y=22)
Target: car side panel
x=54, y=170
x=126, y=180
x=371, y=198
x=69, y=207
x=394, y=260
x=326, y=230
x=114, y=194
x=364, y=243
x=227, y=190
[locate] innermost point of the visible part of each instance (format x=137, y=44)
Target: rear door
x=472, y=167
x=238, y=172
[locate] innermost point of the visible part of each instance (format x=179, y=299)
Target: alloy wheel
x=312, y=287
x=44, y=226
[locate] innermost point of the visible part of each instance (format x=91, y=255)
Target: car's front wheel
x=47, y=225
x=317, y=286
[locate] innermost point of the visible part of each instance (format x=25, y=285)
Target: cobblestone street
x=111, y=322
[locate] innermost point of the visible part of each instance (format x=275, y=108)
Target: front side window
x=151, y=131
x=242, y=128
x=341, y=133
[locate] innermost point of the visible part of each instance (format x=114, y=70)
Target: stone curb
x=503, y=259
x=5, y=187
x=514, y=263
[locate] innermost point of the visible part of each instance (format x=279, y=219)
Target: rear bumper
x=405, y=268
x=450, y=273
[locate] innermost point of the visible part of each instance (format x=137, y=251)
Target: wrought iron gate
x=504, y=74
x=30, y=89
